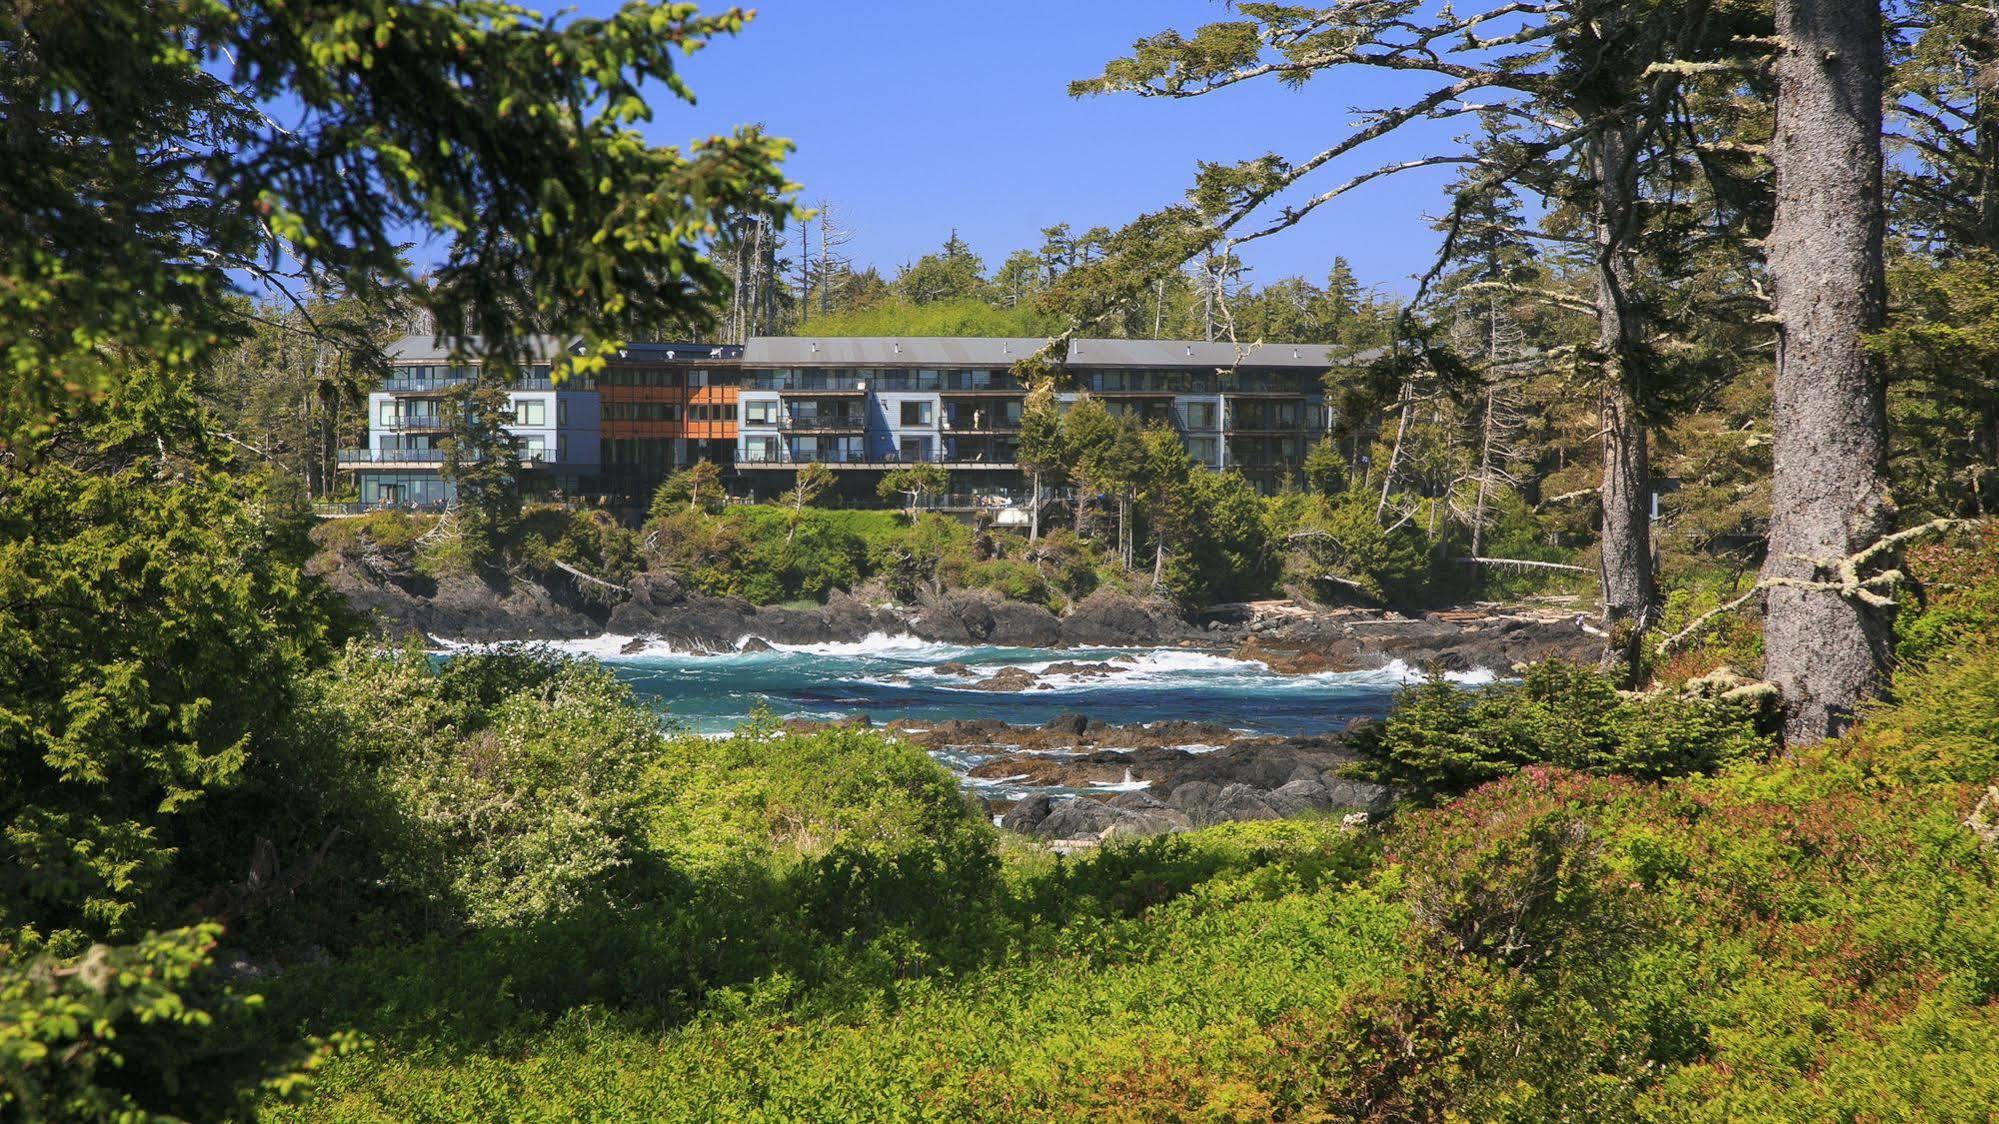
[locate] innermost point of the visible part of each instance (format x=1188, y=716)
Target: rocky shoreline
x=1073, y=782
x=1287, y=637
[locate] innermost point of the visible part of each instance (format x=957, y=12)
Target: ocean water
x=890, y=677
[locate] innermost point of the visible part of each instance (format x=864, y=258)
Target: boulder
x=1027, y=815
x=1111, y=618
x=1142, y=813
x=1241, y=802
x=1075, y=818
x=1299, y=797
x=1066, y=724
x=1006, y=679
x=1346, y=792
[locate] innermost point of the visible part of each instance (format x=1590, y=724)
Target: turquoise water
x=891, y=677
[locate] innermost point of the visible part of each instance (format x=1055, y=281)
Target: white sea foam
x=1125, y=785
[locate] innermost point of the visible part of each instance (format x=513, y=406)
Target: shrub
x=137, y=1032
x=1340, y=546
x=1441, y=739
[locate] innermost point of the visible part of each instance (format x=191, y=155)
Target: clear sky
x=916, y=117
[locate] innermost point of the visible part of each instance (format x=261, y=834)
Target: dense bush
x=137, y=1032
x=151, y=631
x=1785, y=939
x=1340, y=547
x=1442, y=739
x=747, y=551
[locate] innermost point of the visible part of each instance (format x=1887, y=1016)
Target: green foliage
x=741, y=552
x=153, y=618
x=591, y=541
x=1441, y=739
x=517, y=778
x=1224, y=552
x=482, y=463
x=1325, y=469
x=1784, y=939
x=151, y=175
x=912, y=483
x=697, y=487
x=145, y=1031
x=1341, y=546
x=1957, y=602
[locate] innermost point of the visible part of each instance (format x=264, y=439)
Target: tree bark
x=1828, y=489
x=1034, y=512
x=1628, y=591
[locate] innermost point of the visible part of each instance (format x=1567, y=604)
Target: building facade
x=862, y=406
x=557, y=427
x=665, y=406
x=866, y=405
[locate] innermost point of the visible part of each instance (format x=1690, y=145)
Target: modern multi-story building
x=869, y=404
x=557, y=426
x=665, y=406
x=859, y=405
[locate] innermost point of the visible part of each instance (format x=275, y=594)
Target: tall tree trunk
x=1395, y=450
x=1828, y=489
x=1626, y=548
x=1034, y=512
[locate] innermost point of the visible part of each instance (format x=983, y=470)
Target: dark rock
x=1067, y=724
x=1027, y=815
x=1111, y=618
x=1197, y=799
x=1080, y=670
x=1141, y=813
x=1241, y=802
x=1346, y=792
x=953, y=667
x=1076, y=818
x=755, y=644
x=1299, y=797
x=1006, y=679
x=634, y=645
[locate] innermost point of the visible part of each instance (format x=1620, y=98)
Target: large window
x=1199, y=415
x=914, y=449
x=760, y=411
x=760, y=449
x=530, y=411
x=917, y=412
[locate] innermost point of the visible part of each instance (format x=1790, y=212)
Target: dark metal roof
x=1197, y=353
x=676, y=352
x=931, y=351
x=889, y=351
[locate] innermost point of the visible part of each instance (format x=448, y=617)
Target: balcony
x=822, y=417
x=446, y=384
x=837, y=459
x=425, y=458
x=413, y=423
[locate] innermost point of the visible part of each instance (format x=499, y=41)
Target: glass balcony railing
x=424, y=456
x=399, y=384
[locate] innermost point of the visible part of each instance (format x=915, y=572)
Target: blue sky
x=914, y=117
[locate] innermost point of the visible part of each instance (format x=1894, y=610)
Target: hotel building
x=861, y=406
x=865, y=405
